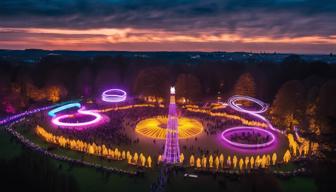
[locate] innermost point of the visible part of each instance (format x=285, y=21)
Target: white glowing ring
x=232, y=103
x=114, y=95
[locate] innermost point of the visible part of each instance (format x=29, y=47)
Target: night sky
x=290, y=26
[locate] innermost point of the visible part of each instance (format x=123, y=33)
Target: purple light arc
x=30, y=112
x=114, y=95
x=232, y=102
x=58, y=120
x=242, y=145
x=256, y=113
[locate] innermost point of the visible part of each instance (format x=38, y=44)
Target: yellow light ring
x=155, y=127
x=229, y=116
x=126, y=107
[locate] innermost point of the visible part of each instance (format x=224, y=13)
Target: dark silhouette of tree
x=85, y=82
x=293, y=67
x=289, y=104
x=245, y=85
x=188, y=86
x=326, y=107
x=154, y=81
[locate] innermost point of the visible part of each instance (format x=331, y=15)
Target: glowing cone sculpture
x=171, y=153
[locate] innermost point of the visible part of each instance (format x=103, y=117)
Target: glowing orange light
x=156, y=127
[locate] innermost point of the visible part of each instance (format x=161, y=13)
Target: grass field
x=9, y=149
x=90, y=179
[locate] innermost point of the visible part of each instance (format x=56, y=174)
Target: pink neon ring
x=241, y=145
x=57, y=120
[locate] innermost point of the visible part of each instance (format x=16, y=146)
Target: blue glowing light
x=53, y=112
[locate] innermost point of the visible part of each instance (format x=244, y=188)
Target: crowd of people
x=213, y=124
x=113, y=133
x=118, y=131
x=249, y=137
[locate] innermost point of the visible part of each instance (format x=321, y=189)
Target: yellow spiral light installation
x=156, y=127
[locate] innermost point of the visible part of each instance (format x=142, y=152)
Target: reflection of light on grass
x=155, y=127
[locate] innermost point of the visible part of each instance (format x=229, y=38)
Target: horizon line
x=168, y=51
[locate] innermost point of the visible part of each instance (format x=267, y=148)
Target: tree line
x=300, y=92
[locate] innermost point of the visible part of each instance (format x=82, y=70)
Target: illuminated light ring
x=232, y=103
x=114, y=95
x=58, y=120
x=53, y=112
x=30, y=112
x=249, y=146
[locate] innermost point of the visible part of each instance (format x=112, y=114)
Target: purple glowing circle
x=58, y=120
x=232, y=102
x=232, y=130
x=114, y=95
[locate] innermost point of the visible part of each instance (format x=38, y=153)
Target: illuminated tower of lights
x=171, y=153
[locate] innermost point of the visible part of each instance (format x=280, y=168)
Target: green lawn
x=299, y=184
x=9, y=149
x=90, y=179
x=30, y=134
x=284, y=167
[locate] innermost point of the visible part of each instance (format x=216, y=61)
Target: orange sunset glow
x=144, y=39
x=288, y=26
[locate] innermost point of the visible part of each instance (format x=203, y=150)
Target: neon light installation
x=58, y=120
x=53, y=112
x=232, y=102
x=30, y=112
x=171, y=153
x=236, y=130
x=114, y=95
x=155, y=127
